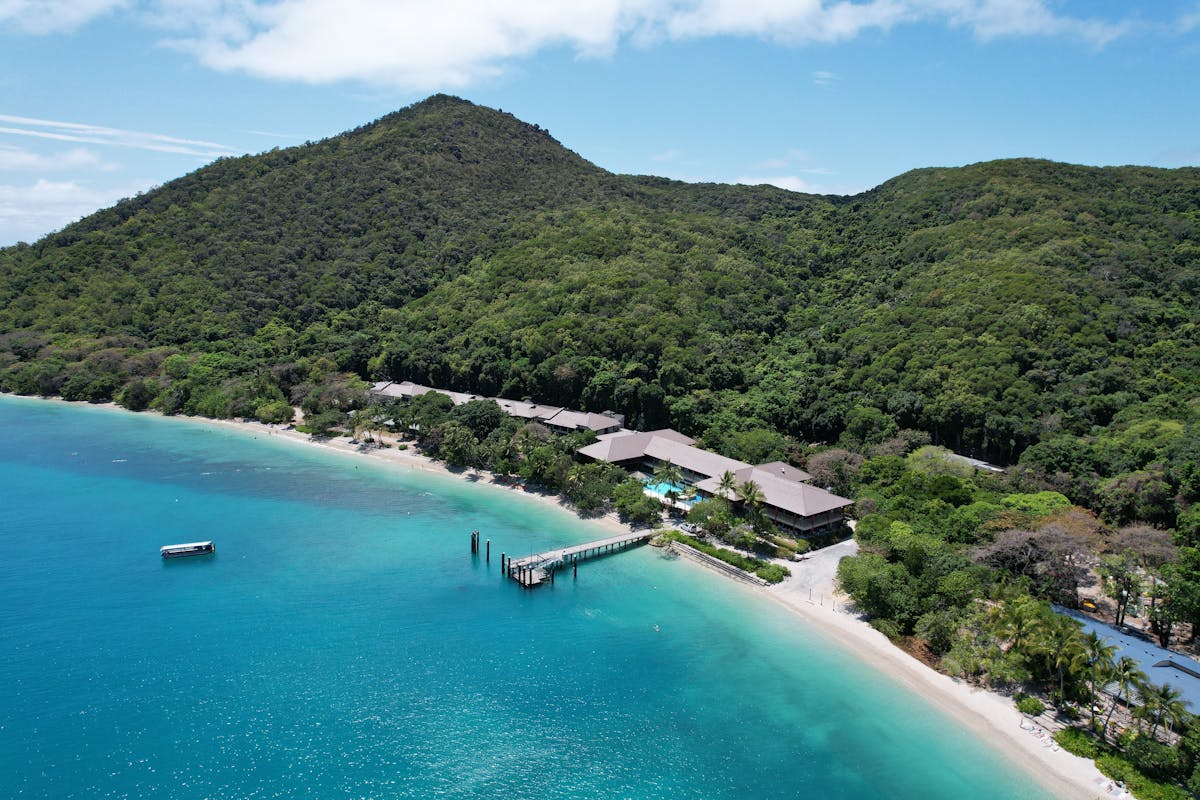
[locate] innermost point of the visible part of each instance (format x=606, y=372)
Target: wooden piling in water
x=488, y=554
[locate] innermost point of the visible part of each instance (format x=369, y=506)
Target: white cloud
x=14, y=159
x=417, y=44
x=95, y=134
x=54, y=16
x=28, y=212
x=423, y=44
x=793, y=183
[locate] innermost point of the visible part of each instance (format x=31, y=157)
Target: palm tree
x=672, y=476
x=727, y=484
x=1162, y=703
x=1060, y=640
x=1127, y=676
x=576, y=475
x=1099, y=656
x=752, y=499
x=1015, y=621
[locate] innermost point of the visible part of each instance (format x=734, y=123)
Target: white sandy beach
x=810, y=595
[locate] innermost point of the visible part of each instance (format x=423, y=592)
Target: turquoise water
x=343, y=643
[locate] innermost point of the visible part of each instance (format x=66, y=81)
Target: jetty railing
x=538, y=568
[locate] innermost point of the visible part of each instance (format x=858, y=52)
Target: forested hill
x=994, y=306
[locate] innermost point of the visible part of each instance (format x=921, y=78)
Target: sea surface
x=343, y=643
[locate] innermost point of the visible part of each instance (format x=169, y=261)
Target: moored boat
x=189, y=549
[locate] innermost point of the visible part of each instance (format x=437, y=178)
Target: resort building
x=556, y=418
x=788, y=501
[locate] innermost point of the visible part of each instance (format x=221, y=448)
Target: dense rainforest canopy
x=1015, y=310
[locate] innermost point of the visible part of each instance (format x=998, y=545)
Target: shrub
x=1077, y=742
x=1142, y=787
x=1031, y=706
x=1155, y=759
x=276, y=411
x=772, y=573
x=138, y=394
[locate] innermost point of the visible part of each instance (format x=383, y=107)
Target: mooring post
x=575, y=563
x=552, y=576
x=502, y=561
x=488, y=554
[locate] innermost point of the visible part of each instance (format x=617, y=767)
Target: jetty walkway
x=539, y=568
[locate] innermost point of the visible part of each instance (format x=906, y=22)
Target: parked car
x=688, y=527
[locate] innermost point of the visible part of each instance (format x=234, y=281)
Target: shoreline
x=991, y=717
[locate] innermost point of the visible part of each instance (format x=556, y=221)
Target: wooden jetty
x=538, y=568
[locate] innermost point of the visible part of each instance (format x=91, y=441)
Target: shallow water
x=343, y=643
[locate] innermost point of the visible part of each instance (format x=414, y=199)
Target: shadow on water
x=190, y=562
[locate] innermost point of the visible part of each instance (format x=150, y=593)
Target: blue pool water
x=662, y=489
x=343, y=643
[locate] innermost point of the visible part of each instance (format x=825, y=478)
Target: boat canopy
x=188, y=546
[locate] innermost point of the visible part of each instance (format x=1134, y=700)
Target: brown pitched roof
x=780, y=492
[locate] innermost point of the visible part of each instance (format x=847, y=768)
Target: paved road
x=816, y=575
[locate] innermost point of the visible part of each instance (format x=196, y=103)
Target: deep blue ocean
x=343, y=643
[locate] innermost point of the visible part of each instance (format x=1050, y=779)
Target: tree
x=1181, y=589
x=1015, y=621
x=727, y=485
x=1126, y=675
x=934, y=460
x=480, y=416
x=458, y=445
x=1098, y=655
x=671, y=475
x=713, y=515
x=1162, y=704
x=276, y=412
x=752, y=500
x=1121, y=582
x=425, y=412
x=835, y=469
x=632, y=503
x=1061, y=643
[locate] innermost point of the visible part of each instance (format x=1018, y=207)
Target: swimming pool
x=661, y=488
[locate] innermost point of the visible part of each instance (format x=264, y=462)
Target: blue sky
x=100, y=99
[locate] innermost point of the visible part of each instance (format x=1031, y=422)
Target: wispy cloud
x=55, y=16
x=95, y=134
x=18, y=159
x=1188, y=22
x=292, y=137
x=793, y=156
x=823, y=77
x=28, y=211
x=418, y=45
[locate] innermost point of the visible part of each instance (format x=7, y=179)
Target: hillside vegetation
x=1012, y=310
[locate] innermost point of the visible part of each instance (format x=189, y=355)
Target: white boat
x=189, y=549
